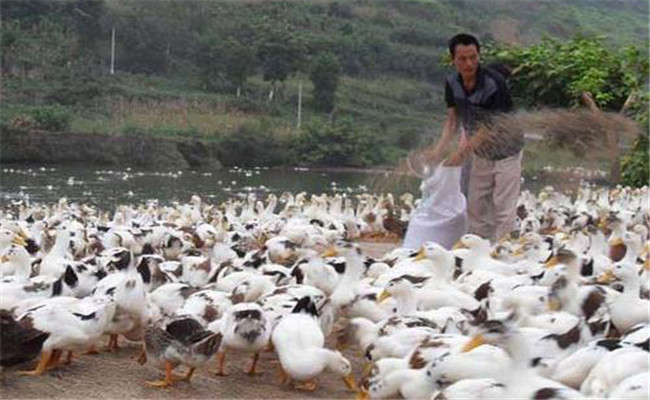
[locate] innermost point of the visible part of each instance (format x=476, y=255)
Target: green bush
x=556, y=72
x=339, y=144
x=76, y=91
x=636, y=164
x=52, y=118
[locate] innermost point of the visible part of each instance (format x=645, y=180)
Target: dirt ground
x=119, y=376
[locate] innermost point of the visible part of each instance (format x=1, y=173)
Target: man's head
x=465, y=49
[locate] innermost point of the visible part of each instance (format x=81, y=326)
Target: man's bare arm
x=448, y=132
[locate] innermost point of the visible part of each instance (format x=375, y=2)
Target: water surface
x=109, y=187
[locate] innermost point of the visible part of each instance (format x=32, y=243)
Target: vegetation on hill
x=229, y=71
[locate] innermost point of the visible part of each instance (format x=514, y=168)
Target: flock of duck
x=559, y=310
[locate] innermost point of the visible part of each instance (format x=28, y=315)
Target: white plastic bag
x=441, y=215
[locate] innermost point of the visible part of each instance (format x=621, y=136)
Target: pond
x=108, y=187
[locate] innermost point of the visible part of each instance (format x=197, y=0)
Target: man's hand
x=464, y=144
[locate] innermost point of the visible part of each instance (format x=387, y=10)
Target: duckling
x=176, y=341
x=247, y=329
x=299, y=343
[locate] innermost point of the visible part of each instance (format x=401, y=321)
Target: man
x=490, y=181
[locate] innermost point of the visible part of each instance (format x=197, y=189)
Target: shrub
x=77, y=91
x=338, y=144
x=636, y=164
x=52, y=118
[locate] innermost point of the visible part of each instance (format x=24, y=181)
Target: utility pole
x=113, y=51
x=299, y=106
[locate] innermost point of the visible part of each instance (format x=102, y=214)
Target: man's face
x=466, y=60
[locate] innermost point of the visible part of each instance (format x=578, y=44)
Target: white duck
x=127, y=288
x=520, y=380
x=70, y=325
x=246, y=328
x=299, y=344
x=612, y=369
x=628, y=309
x=54, y=262
x=16, y=262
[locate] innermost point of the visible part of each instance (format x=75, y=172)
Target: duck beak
x=349, y=382
x=617, y=242
x=362, y=395
x=367, y=369
x=383, y=296
x=518, y=252
x=19, y=240
x=552, y=262
x=494, y=254
x=553, y=304
x=330, y=252
x=459, y=245
x=606, y=277
x=646, y=264
x=473, y=343
x=5, y=258
x=420, y=256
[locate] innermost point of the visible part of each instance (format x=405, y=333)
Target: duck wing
x=19, y=342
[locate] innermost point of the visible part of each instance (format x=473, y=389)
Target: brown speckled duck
x=179, y=340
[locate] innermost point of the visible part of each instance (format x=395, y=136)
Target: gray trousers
x=493, y=193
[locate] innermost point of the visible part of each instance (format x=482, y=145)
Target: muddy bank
x=41, y=147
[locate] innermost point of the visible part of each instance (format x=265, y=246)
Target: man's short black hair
x=465, y=39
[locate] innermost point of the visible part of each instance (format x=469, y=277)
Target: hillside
x=179, y=65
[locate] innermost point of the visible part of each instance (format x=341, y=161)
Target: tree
x=558, y=73
x=238, y=63
x=555, y=73
x=325, y=73
x=225, y=61
x=281, y=54
x=338, y=143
